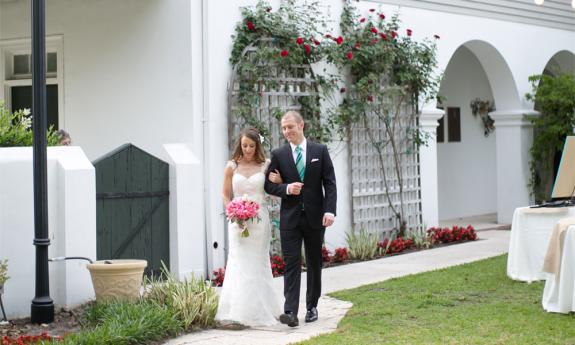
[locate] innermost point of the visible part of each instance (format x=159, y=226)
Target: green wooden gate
x=132, y=198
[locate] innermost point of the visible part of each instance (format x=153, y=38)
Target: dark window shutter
x=453, y=125
x=441, y=130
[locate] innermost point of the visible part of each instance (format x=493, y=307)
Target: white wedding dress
x=248, y=296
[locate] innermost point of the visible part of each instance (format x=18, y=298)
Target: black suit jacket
x=319, y=193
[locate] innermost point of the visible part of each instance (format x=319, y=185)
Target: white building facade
x=155, y=73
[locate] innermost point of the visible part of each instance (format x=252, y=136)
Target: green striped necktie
x=299, y=164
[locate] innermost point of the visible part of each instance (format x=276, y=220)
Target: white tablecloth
x=530, y=232
x=558, y=295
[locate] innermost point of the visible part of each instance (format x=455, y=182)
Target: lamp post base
x=42, y=310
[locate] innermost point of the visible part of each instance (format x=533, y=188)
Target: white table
x=530, y=232
x=558, y=295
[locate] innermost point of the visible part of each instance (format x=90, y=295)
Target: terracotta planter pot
x=117, y=279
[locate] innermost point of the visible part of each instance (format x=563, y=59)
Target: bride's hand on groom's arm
x=275, y=177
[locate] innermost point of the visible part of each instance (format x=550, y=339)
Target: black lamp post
x=42, y=310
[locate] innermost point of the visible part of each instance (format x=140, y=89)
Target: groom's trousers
x=291, y=241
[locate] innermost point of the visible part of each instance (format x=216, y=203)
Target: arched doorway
x=476, y=82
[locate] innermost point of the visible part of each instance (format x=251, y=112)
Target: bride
x=248, y=296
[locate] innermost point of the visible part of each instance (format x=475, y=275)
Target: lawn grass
x=469, y=304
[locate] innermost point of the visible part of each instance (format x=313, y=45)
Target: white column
x=428, y=166
x=514, y=137
x=187, y=235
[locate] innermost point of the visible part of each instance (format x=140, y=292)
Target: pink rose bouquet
x=240, y=210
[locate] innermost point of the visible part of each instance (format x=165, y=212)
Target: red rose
x=284, y=53
x=393, y=34
x=372, y=10
x=382, y=16
x=383, y=36
x=342, y=90
x=370, y=98
x=361, y=20
x=316, y=42
x=251, y=26
x=339, y=40
x=269, y=9
x=299, y=40
x=307, y=49
x=349, y=55
x=374, y=30
x=409, y=32
x=436, y=37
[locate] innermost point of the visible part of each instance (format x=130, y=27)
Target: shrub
x=193, y=302
x=362, y=246
x=124, y=323
x=3, y=271
x=15, y=129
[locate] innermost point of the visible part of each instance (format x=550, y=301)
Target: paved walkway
x=331, y=311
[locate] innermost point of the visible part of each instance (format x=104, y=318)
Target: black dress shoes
x=289, y=319
x=311, y=315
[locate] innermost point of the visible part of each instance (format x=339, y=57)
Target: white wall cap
x=181, y=153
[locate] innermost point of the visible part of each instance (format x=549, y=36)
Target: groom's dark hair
x=253, y=134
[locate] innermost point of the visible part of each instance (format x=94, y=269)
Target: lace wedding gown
x=248, y=296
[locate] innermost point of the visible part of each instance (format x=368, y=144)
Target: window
x=16, y=77
x=453, y=125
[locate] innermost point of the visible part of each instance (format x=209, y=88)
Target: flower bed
x=29, y=339
x=434, y=236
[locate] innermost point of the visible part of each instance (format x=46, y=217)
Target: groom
x=308, y=194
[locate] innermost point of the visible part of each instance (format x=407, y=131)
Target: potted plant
x=3, y=274
x=117, y=279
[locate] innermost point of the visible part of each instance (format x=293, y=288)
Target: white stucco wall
x=72, y=226
x=466, y=169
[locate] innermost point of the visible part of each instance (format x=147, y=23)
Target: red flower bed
x=340, y=255
x=455, y=234
x=218, y=276
x=278, y=265
x=29, y=339
x=325, y=254
x=397, y=245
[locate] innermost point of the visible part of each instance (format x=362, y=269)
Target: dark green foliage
x=554, y=98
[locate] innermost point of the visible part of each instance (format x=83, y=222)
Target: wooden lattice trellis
x=371, y=209
x=280, y=89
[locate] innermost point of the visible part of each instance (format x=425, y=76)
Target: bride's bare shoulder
x=231, y=165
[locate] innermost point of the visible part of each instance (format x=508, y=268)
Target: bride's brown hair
x=253, y=134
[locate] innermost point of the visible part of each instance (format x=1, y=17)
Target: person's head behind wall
x=64, y=138
x=292, y=124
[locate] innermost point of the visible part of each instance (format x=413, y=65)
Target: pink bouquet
x=240, y=210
